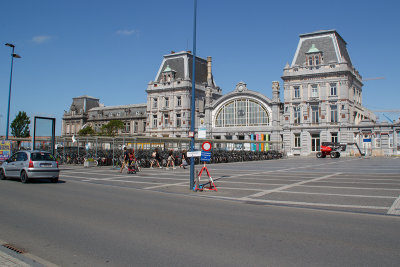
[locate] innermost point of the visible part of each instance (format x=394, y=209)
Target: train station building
x=321, y=101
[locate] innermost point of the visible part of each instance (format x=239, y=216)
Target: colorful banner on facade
x=5, y=150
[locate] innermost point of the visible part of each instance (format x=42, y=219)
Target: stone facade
x=322, y=101
x=169, y=95
x=86, y=110
x=323, y=96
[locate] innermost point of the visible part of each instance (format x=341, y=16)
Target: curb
x=9, y=257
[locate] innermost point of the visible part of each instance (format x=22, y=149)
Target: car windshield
x=39, y=156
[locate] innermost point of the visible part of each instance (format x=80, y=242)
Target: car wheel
x=54, y=180
x=2, y=175
x=24, y=177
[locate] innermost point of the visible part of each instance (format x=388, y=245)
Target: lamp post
x=13, y=55
x=193, y=103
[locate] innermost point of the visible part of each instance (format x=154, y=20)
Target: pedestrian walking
x=155, y=159
x=171, y=160
x=125, y=160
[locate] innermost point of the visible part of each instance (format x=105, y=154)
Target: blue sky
x=112, y=49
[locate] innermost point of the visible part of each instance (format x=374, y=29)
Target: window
x=333, y=89
x=22, y=156
x=127, y=127
x=334, y=113
x=242, y=112
x=310, y=61
x=316, y=59
x=154, y=121
x=334, y=137
x=315, y=142
x=42, y=156
x=296, y=92
x=179, y=101
x=297, y=142
x=155, y=105
x=166, y=102
x=178, y=120
x=136, y=127
x=314, y=90
x=296, y=115
x=378, y=141
x=315, y=114
x=166, y=120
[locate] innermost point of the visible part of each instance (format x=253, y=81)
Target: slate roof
x=120, y=107
x=329, y=42
x=182, y=64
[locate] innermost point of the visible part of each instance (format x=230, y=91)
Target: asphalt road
x=77, y=223
x=98, y=217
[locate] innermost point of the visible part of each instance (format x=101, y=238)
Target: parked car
x=30, y=165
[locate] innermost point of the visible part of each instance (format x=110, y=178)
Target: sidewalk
x=10, y=258
x=10, y=261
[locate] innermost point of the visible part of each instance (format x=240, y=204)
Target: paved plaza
x=368, y=185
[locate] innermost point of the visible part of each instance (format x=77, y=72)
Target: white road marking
x=395, y=208
x=266, y=192
x=331, y=194
x=296, y=174
x=352, y=187
x=166, y=185
x=341, y=182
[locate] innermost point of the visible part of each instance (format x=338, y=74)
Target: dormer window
x=314, y=56
x=168, y=74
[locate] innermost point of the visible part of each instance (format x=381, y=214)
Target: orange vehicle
x=331, y=149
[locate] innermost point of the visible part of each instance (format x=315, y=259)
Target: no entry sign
x=206, y=146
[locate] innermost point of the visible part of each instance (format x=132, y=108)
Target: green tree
x=20, y=126
x=88, y=130
x=112, y=127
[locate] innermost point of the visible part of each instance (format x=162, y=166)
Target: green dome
x=167, y=69
x=313, y=49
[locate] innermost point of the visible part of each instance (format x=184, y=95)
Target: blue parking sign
x=205, y=156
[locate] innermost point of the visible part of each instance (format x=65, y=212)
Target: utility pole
x=193, y=107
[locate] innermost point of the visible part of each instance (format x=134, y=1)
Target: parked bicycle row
x=144, y=157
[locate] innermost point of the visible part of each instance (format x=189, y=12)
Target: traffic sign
x=205, y=156
x=192, y=154
x=206, y=146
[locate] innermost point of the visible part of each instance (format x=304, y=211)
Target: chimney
x=209, y=72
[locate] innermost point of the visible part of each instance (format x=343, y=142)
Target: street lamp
x=13, y=55
x=193, y=102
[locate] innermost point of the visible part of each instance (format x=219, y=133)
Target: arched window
x=242, y=112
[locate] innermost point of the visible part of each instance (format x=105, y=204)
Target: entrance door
x=315, y=143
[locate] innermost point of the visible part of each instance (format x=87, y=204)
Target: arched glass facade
x=242, y=112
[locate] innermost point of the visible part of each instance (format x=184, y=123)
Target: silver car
x=30, y=165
